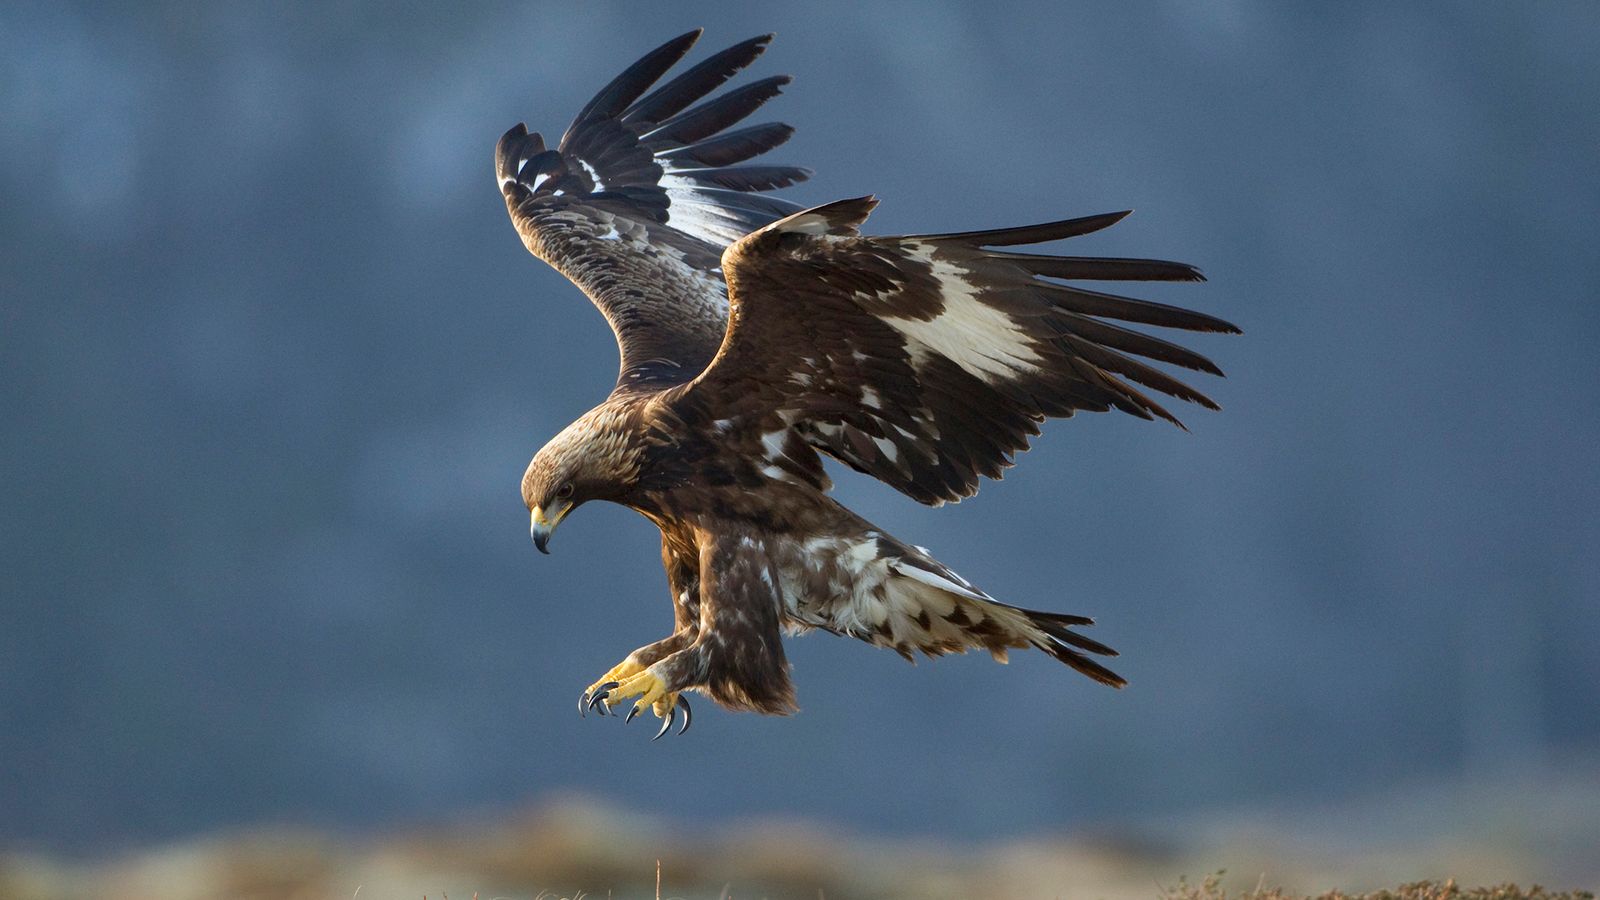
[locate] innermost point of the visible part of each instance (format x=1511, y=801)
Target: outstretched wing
x=642, y=195
x=928, y=361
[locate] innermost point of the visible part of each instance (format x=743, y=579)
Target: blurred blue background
x=272, y=361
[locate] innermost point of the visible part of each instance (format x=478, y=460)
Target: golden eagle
x=755, y=335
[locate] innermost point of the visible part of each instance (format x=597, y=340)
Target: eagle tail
x=1069, y=646
x=932, y=609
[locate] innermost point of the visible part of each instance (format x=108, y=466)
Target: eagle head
x=592, y=459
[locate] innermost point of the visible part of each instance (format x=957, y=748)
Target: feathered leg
x=737, y=652
x=683, y=576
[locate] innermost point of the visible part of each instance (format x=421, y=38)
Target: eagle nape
x=757, y=337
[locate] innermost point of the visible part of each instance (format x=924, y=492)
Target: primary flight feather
x=755, y=335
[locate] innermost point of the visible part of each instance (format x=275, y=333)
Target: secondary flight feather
x=756, y=336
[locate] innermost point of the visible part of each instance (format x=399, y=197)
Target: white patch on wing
x=701, y=221
x=539, y=179
x=703, y=216
x=807, y=224
x=672, y=181
x=594, y=175
x=970, y=333
x=870, y=398
x=668, y=164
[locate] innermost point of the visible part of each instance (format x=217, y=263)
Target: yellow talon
x=651, y=690
x=620, y=672
x=629, y=679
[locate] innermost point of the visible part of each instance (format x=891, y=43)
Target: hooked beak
x=542, y=527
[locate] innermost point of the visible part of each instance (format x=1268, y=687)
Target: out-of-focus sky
x=272, y=361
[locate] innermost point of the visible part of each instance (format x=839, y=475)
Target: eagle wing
x=638, y=201
x=927, y=361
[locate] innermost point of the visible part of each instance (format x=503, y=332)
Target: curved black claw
x=672, y=715
x=631, y=713
x=589, y=701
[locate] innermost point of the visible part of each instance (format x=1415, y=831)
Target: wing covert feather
x=928, y=361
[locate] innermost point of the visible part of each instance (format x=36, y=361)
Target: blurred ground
x=1212, y=889
x=1529, y=830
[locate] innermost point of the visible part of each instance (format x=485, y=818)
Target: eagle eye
x=565, y=492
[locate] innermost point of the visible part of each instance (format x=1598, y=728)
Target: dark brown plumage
x=925, y=361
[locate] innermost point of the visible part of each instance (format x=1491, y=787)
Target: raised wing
x=642, y=195
x=928, y=361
